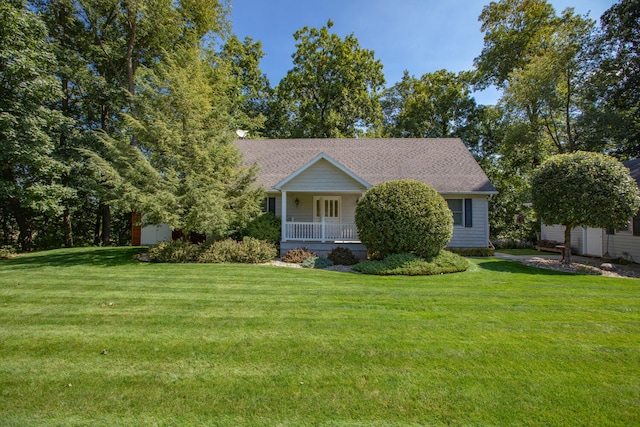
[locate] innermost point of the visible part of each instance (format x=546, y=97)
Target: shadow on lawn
x=506, y=266
x=101, y=257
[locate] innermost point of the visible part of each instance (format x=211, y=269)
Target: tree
x=185, y=172
x=115, y=38
x=540, y=62
x=584, y=190
x=403, y=216
x=332, y=91
x=614, y=118
x=250, y=91
x=30, y=181
x=438, y=105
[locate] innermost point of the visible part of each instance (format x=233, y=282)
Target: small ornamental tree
x=404, y=216
x=583, y=190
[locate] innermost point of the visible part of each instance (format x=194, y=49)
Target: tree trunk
x=566, y=259
x=66, y=225
x=96, y=228
x=106, y=225
x=25, y=238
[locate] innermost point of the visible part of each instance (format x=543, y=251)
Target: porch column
x=283, y=216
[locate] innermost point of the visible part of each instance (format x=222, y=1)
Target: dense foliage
x=247, y=251
x=584, y=189
x=403, y=216
x=411, y=265
x=298, y=255
x=342, y=256
x=264, y=227
x=134, y=105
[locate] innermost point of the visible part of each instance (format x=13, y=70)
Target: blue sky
x=420, y=36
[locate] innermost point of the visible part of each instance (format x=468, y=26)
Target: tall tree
x=539, y=61
x=333, y=89
x=437, y=105
x=30, y=181
x=186, y=171
x=124, y=35
x=614, y=117
x=250, y=90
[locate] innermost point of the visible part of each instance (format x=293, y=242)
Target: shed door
x=593, y=244
x=327, y=208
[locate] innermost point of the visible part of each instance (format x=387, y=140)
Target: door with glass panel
x=326, y=208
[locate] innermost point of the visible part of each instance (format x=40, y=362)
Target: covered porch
x=319, y=217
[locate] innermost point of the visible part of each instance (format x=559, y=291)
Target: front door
x=326, y=208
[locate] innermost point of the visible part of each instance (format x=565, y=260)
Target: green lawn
x=501, y=344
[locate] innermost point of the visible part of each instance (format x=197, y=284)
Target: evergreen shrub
x=265, y=227
x=248, y=251
x=403, y=216
x=343, y=256
x=177, y=251
x=411, y=265
x=317, y=262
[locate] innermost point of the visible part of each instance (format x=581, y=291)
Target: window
x=270, y=205
x=462, y=210
x=626, y=229
x=456, y=208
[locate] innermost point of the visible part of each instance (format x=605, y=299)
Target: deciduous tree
x=30, y=180
x=333, y=89
x=584, y=190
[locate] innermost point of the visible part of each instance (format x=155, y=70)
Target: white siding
x=622, y=245
x=304, y=211
x=478, y=235
x=323, y=176
x=556, y=232
x=153, y=234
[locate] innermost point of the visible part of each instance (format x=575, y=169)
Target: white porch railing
x=321, y=231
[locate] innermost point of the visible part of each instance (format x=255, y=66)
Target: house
x=609, y=243
x=314, y=186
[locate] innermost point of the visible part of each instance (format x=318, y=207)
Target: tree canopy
x=109, y=106
x=584, y=190
x=333, y=89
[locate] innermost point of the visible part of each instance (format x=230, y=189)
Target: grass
x=522, y=252
x=500, y=344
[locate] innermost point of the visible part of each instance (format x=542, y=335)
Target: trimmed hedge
x=403, y=216
x=475, y=252
x=411, y=265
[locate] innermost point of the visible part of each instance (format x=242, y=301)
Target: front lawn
x=90, y=337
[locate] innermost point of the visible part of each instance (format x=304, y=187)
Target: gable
x=322, y=174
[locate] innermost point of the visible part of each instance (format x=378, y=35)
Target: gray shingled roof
x=443, y=163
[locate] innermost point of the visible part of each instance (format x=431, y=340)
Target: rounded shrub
x=403, y=216
x=264, y=227
x=343, y=256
